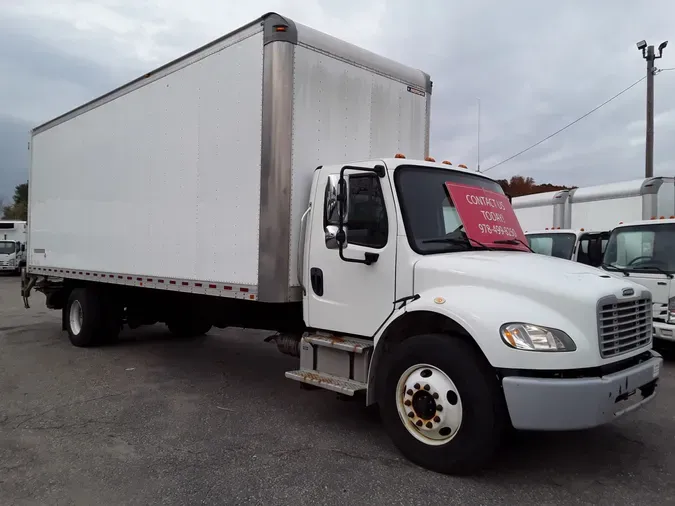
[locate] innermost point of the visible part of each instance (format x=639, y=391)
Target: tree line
x=18, y=209
x=518, y=186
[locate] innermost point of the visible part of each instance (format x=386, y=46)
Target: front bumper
x=664, y=331
x=9, y=267
x=580, y=403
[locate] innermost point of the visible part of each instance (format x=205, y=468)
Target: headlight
x=524, y=336
x=671, y=310
x=11, y=261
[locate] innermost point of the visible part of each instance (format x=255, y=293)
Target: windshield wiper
x=654, y=268
x=514, y=242
x=465, y=241
x=612, y=267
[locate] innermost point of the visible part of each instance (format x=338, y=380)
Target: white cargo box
x=194, y=177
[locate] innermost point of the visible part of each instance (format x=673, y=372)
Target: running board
x=327, y=381
x=333, y=362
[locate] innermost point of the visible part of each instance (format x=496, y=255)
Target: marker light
x=399, y=155
x=462, y=166
x=446, y=162
x=429, y=159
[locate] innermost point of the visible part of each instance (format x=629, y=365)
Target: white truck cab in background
x=12, y=245
x=575, y=224
x=644, y=252
x=401, y=282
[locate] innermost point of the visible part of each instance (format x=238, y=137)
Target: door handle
x=316, y=279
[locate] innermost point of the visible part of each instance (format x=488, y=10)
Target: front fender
x=481, y=311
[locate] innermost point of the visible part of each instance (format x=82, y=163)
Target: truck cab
x=644, y=252
x=586, y=247
x=430, y=263
x=12, y=246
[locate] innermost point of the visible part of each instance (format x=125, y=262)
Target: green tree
x=19, y=209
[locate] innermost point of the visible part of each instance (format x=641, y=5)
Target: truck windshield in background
x=433, y=223
x=643, y=248
x=555, y=245
x=7, y=247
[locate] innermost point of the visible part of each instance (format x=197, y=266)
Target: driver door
x=345, y=296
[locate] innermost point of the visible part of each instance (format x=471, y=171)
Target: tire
x=186, y=328
x=459, y=438
x=90, y=318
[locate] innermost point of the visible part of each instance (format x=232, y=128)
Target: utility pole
x=478, y=147
x=649, y=54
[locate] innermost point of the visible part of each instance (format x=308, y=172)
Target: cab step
x=334, y=362
x=327, y=381
x=348, y=344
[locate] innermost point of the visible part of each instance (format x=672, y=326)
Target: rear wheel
x=441, y=404
x=91, y=318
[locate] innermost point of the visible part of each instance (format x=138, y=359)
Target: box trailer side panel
x=161, y=179
x=602, y=207
x=350, y=104
x=541, y=210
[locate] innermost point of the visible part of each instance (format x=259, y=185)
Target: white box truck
x=644, y=251
x=575, y=224
x=401, y=281
x=12, y=246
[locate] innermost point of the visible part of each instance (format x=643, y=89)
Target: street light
x=649, y=55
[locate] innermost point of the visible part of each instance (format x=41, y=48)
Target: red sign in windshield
x=487, y=216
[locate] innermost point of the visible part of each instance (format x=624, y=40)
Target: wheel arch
x=410, y=324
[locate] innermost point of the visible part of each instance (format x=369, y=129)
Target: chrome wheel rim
x=429, y=404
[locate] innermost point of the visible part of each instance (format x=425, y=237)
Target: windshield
x=642, y=248
x=429, y=214
x=7, y=247
x=553, y=245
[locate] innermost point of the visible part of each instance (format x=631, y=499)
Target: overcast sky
x=535, y=65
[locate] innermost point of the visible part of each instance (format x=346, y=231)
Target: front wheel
x=441, y=404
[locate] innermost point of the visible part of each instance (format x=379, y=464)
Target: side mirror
x=336, y=211
x=23, y=247
x=337, y=200
x=332, y=233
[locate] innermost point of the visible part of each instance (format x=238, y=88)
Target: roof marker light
x=461, y=165
x=429, y=159
x=399, y=155
x=446, y=162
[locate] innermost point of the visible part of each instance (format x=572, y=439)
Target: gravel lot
x=156, y=420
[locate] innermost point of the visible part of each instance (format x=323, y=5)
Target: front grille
x=624, y=326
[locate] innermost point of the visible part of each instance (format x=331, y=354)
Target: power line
x=568, y=125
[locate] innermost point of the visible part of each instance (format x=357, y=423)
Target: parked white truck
x=575, y=224
x=12, y=245
x=644, y=251
x=400, y=280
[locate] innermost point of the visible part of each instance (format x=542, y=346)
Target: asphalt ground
x=159, y=420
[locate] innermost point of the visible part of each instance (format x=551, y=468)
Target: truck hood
x=548, y=280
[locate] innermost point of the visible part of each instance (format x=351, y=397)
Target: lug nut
x=435, y=396
x=417, y=386
x=429, y=425
x=427, y=387
x=409, y=392
x=437, y=419
x=407, y=402
x=411, y=414
x=439, y=408
x=419, y=423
